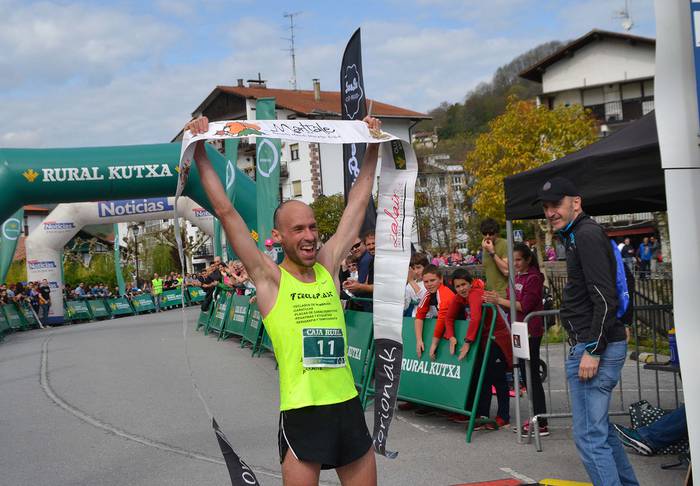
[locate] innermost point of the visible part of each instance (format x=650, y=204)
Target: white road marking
x=517, y=475
x=419, y=427
x=46, y=387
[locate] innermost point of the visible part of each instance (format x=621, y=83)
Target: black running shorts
x=331, y=435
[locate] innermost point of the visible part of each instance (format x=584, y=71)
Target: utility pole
x=291, y=49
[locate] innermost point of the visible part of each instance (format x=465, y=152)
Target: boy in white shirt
x=415, y=290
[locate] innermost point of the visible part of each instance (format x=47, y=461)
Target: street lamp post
x=135, y=228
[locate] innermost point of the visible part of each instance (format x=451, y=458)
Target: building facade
x=610, y=73
x=441, y=204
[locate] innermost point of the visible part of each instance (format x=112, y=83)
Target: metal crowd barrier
x=648, y=317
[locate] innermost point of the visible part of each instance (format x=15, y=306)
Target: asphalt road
x=111, y=403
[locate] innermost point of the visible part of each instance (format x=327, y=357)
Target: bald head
x=289, y=210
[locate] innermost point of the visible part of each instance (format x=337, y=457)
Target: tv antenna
x=625, y=16
x=291, y=49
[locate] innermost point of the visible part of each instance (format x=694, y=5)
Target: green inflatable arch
x=44, y=176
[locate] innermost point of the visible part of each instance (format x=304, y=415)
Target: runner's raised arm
x=261, y=269
x=337, y=247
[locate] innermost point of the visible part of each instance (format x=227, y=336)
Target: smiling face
x=432, y=282
x=297, y=233
x=369, y=243
x=562, y=212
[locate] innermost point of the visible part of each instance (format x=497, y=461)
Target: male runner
x=322, y=424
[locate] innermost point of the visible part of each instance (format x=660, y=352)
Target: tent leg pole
x=511, y=293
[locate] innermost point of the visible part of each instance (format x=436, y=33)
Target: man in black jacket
x=597, y=337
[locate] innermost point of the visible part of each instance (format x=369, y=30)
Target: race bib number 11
x=323, y=347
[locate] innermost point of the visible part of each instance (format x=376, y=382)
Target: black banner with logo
x=354, y=107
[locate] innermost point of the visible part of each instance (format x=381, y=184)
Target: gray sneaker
x=631, y=438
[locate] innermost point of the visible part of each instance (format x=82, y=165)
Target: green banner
x=77, y=310
x=4, y=326
x=143, y=303
x=267, y=174
x=231, y=154
x=217, y=237
x=252, y=327
x=120, y=306
x=196, y=294
x=11, y=231
x=98, y=308
x=13, y=317
x=29, y=316
x=237, y=315
x=218, y=320
x=360, y=330
x=35, y=176
x=118, y=261
x=443, y=382
x=171, y=298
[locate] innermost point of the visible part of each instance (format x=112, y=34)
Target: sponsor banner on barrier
x=126, y=207
x=120, y=306
x=143, y=303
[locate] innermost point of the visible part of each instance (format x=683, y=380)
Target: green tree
x=522, y=138
x=100, y=269
x=17, y=272
x=328, y=210
x=163, y=260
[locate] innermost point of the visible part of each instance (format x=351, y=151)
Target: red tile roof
x=20, y=250
x=303, y=102
x=39, y=209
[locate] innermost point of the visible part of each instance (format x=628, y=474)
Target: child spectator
x=415, y=289
x=529, y=287
x=434, y=304
x=467, y=304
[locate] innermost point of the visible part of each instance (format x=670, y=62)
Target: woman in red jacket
x=529, y=284
x=468, y=304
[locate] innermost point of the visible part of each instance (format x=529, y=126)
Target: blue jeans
x=156, y=301
x=600, y=449
x=666, y=431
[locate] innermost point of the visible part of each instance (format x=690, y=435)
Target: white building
x=610, y=73
x=441, y=185
x=307, y=170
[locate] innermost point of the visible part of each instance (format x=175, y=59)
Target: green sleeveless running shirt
x=307, y=329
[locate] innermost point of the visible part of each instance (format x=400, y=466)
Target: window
x=294, y=151
x=443, y=201
x=296, y=188
x=442, y=180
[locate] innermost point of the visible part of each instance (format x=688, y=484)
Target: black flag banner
x=354, y=107
x=241, y=474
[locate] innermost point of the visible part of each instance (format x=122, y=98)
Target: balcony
x=622, y=111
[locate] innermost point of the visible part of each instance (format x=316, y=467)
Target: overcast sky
x=79, y=73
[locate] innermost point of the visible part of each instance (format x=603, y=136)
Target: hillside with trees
x=458, y=124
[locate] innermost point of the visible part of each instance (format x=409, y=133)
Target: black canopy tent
x=618, y=174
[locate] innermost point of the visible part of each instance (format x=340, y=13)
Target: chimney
x=239, y=82
x=317, y=89
x=257, y=83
